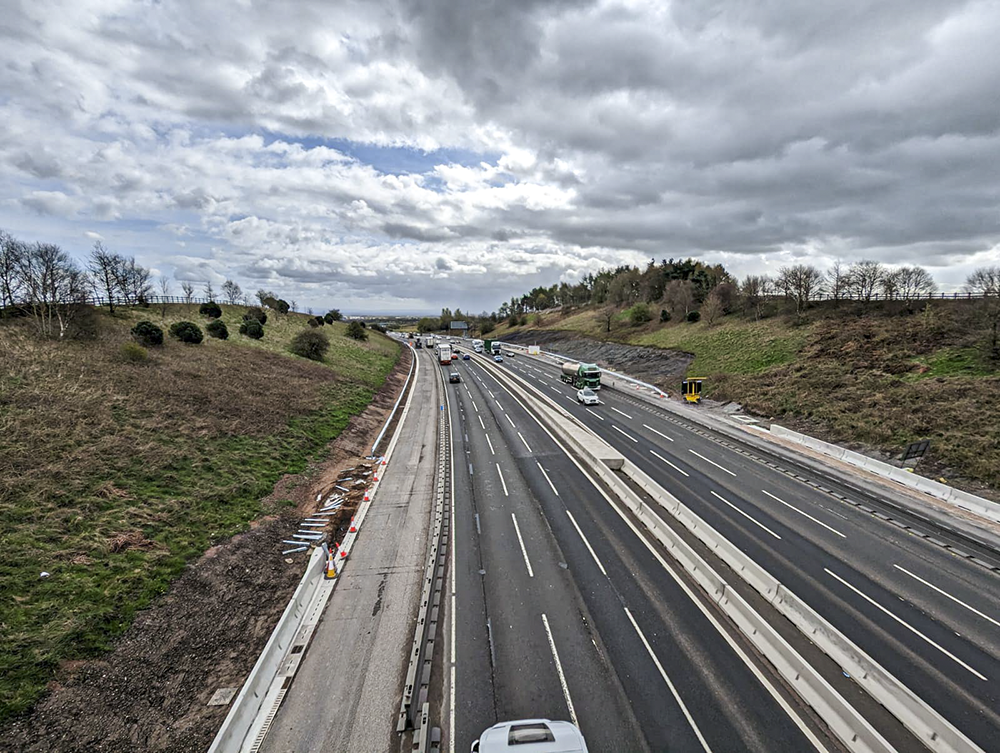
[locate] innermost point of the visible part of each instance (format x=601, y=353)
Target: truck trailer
x=444, y=354
x=581, y=375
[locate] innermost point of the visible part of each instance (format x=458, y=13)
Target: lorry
x=477, y=345
x=495, y=345
x=444, y=354
x=581, y=375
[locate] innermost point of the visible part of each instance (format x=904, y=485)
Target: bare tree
x=799, y=283
x=55, y=288
x=292, y=306
x=914, y=283
x=188, y=289
x=246, y=300
x=105, y=272
x=12, y=252
x=711, y=309
x=837, y=281
x=232, y=292
x=754, y=291
x=985, y=281
x=889, y=284
x=608, y=314
x=679, y=297
x=864, y=278
x=164, y=294
x=209, y=291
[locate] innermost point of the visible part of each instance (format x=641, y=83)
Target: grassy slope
x=115, y=475
x=851, y=376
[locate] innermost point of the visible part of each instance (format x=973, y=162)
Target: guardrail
x=932, y=729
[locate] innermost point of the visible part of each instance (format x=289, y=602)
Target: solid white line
x=800, y=512
x=481, y=422
x=646, y=426
x=525, y=441
x=517, y=530
x=619, y=411
x=593, y=414
x=752, y=520
x=547, y=478
x=492, y=451
x=712, y=462
x=511, y=420
x=586, y=543
x=629, y=436
x=559, y=669
x=654, y=452
x=673, y=690
x=945, y=593
x=907, y=625
x=502, y=481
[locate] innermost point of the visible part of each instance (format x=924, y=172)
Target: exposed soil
x=151, y=691
x=664, y=368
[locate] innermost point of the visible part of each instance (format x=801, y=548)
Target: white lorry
x=477, y=345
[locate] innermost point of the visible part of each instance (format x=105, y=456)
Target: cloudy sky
x=408, y=154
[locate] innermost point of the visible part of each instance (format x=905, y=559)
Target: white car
x=531, y=736
x=587, y=396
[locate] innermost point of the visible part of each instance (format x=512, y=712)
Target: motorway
x=928, y=616
x=562, y=610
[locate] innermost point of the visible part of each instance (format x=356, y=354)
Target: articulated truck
x=581, y=375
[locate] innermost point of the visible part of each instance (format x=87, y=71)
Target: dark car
x=466, y=357
x=454, y=377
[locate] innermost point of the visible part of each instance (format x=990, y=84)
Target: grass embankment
x=115, y=475
x=879, y=377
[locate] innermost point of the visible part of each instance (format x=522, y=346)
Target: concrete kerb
x=254, y=708
x=843, y=719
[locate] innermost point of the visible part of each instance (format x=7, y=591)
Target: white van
x=531, y=736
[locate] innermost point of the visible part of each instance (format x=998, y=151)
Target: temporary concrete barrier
x=964, y=500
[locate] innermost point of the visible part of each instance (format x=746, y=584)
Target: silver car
x=531, y=736
x=587, y=396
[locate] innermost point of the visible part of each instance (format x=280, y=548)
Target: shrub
x=356, y=330
x=378, y=328
x=252, y=329
x=693, y=316
x=310, y=344
x=147, y=333
x=257, y=314
x=217, y=328
x=281, y=305
x=319, y=321
x=313, y=323
x=664, y=316
x=211, y=310
x=186, y=332
x=333, y=315
x=134, y=353
x=639, y=314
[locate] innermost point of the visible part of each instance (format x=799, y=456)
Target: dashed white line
x=559, y=669
x=474, y=405
x=502, y=481
x=517, y=530
x=525, y=441
x=594, y=414
x=712, y=462
x=669, y=439
x=547, y=478
x=905, y=624
x=511, y=421
x=491, y=393
x=673, y=690
x=620, y=411
x=627, y=436
x=492, y=451
x=481, y=422
x=945, y=593
x=801, y=512
x=498, y=404
x=586, y=543
x=748, y=517
x=656, y=454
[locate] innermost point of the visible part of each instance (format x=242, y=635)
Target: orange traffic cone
x=354, y=528
x=331, y=567
x=367, y=498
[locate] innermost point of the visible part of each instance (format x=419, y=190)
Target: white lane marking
x=525, y=441
x=945, y=593
x=751, y=519
x=571, y=399
x=517, y=530
x=467, y=392
x=619, y=411
x=547, y=478
x=673, y=690
x=540, y=381
x=593, y=414
x=627, y=436
x=491, y=393
x=499, y=406
x=586, y=543
x=511, y=421
x=474, y=405
x=556, y=389
x=502, y=481
x=481, y=422
x=647, y=426
x=492, y=451
x=559, y=669
x=801, y=512
x=905, y=624
x=712, y=462
x=656, y=454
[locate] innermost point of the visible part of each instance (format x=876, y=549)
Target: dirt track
x=150, y=693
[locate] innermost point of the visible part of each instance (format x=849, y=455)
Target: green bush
x=356, y=330
x=252, y=329
x=333, y=315
x=664, y=316
x=319, y=321
x=256, y=313
x=133, y=353
x=310, y=344
x=186, y=332
x=211, y=310
x=147, y=333
x=694, y=316
x=639, y=314
x=313, y=323
x=217, y=328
